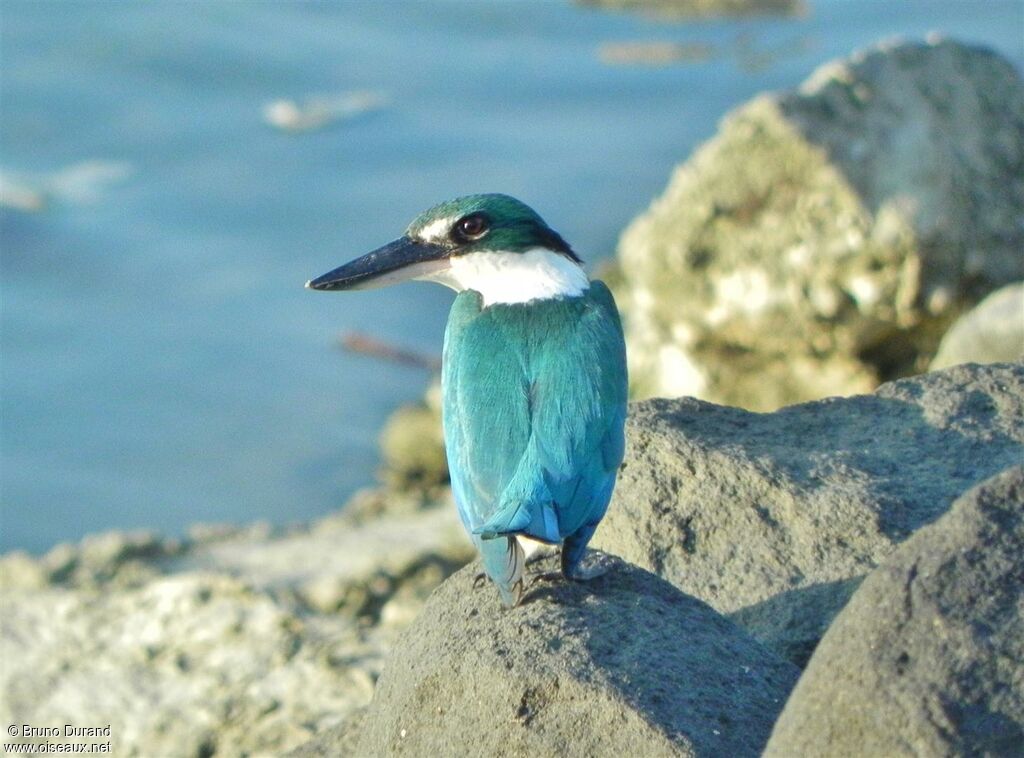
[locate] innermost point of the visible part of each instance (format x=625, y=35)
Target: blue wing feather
x=534, y=407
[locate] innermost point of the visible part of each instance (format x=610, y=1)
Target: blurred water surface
x=161, y=362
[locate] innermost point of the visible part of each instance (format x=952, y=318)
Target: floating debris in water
x=675, y=10
x=364, y=344
x=319, y=112
x=20, y=197
x=80, y=184
x=745, y=50
x=754, y=59
x=655, y=53
x=86, y=182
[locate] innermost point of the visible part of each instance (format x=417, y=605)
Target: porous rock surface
x=626, y=665
x=774, y=518
x=826, y=237
x=928, y=656
x=991, y=332
x=231, y=642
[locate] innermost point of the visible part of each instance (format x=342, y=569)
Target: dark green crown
x=482, y=223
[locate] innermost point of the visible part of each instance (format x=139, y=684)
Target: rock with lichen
x=825, y=239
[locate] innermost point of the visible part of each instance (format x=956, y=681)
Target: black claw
x=546, y=576
x=518, y=589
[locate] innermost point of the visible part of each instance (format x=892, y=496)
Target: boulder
x=774, y=518
x=993, y=331
x=826, y=237
x=928, y=656
x=623, y=665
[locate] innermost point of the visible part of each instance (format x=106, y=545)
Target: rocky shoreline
x=758, y=533
x=889, y=527
x=835, y=577
x=230, y=642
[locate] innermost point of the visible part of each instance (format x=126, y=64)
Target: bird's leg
x=536, y=550
x=479, y=580
x=573, y=551
x=599, y=567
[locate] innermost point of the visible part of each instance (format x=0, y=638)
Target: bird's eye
x=471, y=227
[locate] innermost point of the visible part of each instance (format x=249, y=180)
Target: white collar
x=507, y=277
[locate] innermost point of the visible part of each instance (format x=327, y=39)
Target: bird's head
x=491, y=243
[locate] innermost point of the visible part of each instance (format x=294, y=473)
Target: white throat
x=502, y=277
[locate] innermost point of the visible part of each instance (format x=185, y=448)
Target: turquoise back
x=534, y=409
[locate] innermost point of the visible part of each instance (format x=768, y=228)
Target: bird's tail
x=503, y=561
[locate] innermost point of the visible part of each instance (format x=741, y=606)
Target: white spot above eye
x=507, y=277
x=437, y=230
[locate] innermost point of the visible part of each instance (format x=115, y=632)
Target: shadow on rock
x=747, y=511
x=785, y=611
x=928, y=656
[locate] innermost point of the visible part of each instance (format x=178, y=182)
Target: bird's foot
x=598, y=565
x=546, y=576
x=479, y=580
x=514, y=596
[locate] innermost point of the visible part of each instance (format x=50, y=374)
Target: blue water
x=161, y=362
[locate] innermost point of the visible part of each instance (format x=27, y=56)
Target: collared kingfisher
x=533, y=377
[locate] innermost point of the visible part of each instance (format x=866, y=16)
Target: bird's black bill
x=397, y=261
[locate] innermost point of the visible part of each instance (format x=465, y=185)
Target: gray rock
x=626, y=665
x=824, y=239
x=928, y=657
x=774, y=518
x=234, y=642
x=993, y=331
